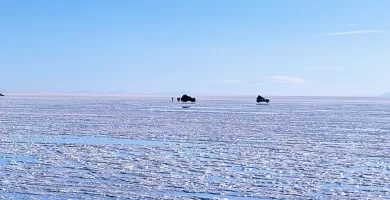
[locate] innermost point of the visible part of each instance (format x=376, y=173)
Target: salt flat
x=125, y=148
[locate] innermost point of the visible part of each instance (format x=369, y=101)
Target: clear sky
x=275, y=47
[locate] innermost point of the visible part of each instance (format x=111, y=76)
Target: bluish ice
x=129, y=148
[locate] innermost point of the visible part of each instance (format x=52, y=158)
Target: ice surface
x=95, y=148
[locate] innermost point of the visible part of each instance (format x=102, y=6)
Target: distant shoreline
x=130, y=95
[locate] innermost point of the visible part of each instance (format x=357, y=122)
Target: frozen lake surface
x=118, y=148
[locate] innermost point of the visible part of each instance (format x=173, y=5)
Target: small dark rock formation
x=260, y=99
x=178, y=99
x=1, y=95
x=186, y=98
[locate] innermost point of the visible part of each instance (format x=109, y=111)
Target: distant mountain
x=82, y=91
x=386, y=94
x=174, y=93
x=117, y=91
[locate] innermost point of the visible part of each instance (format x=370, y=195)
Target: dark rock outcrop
x=1, y=95
x=260, y=99
x=186, y=98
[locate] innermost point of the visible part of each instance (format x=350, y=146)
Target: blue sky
x=225, y=47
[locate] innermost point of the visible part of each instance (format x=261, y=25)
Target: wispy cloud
x=346, y=25
x=325, y=67
x=285, y=79
x=272, y=79
x=368, y=68
x=234, y=81
x=354, y=32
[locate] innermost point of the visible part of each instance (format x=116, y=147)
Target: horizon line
x=156, y=95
